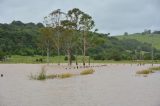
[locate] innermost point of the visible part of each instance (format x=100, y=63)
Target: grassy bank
x=54, y=59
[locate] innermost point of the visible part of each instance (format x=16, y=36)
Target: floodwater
x=111, y=85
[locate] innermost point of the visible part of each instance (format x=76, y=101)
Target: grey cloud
x=114, y=16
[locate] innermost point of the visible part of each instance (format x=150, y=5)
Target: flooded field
x=111, y=85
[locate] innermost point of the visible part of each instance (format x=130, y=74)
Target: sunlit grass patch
x=87, y=71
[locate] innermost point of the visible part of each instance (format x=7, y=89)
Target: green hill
x=148, y=38
x=25, y=39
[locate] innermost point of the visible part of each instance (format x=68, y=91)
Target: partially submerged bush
x=87, y=71
x=147, y=71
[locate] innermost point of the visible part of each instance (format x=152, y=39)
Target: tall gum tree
x=83, y=23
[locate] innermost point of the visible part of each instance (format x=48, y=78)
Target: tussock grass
x=87, y=71
x=65, y=75
x=147, y=71
x=52, y=76
x=40, y=76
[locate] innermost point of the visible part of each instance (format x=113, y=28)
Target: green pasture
x=54, y=59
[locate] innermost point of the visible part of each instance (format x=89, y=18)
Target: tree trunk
x=48, y=55
x=58, y=48
x=84, y=48
x=89, y=60
x=69, y=57
x=58, y=56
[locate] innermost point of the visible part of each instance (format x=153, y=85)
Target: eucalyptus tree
x=46, y=40
x=83, y=23
x=53, y=20
x=87, y=25
x=69, y=39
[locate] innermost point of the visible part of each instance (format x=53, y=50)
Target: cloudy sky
x=111, y=16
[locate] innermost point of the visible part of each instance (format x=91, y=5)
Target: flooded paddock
x=111, y=85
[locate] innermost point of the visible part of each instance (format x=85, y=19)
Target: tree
x=87, y=24
x=69, y=38
x=47, y=40
x=83, y=23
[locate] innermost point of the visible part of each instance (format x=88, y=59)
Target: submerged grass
x=65, y=75
x=87, y=71
x=149, y=70
x=43, y=76
x=52, y=76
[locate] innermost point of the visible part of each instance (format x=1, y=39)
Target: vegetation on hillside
x=145, y=38
x=75, y=38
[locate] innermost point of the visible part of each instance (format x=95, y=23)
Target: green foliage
x=147, y=38
x=31, y=39
x=2, y=56
x=19, y=38
x=72, y=57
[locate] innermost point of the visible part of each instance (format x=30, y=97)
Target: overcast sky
x=111, y=16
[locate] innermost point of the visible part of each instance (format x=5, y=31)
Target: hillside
x=26, y=39
x=147, y=38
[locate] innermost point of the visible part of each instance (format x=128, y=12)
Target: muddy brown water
x=111, y=85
